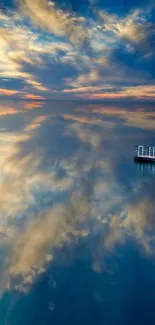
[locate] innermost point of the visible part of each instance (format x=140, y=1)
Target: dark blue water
x=77, y=217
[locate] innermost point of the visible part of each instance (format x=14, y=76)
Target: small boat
x=144, y=155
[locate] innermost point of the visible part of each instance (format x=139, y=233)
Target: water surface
x=77, y=222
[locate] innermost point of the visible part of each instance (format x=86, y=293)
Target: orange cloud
x=32, y=105
x=8, y=111
x=32, y=96
x=8, y=92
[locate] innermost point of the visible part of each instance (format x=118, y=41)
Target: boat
x=144, y=155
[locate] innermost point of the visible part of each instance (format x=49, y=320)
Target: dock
x=144, y=155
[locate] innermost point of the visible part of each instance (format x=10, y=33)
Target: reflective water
x=77, y=220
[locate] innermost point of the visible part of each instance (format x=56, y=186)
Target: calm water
x=77, y=219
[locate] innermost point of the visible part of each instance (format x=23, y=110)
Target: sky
x=83, y=50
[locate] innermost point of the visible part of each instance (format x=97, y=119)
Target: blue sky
x=77, y=50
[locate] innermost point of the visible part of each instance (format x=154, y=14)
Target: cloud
x=32, y=96
x=21, y=50
x=35, y=241
x=84, y=120
x=36, y=123
x=142, y=118
x=134, y=27
x=47, y=231
x=8, y=111
x=46, y=15
x=33, y=105
x=74, y=56
x=137, y=92
x=8, y=92
x=131, y=27
x=36, y=85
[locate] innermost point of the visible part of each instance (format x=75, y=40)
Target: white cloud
x=46, y=15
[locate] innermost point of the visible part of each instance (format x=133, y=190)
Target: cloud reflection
x=60, y=183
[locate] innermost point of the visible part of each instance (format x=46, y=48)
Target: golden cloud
x=46, y=15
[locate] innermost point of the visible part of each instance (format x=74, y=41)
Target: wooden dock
x=144, y=155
